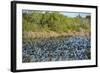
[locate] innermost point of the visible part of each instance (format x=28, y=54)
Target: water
x=56, y=49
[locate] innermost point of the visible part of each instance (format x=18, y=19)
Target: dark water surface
x=56, y=49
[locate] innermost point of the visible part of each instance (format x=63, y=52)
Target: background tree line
x=54, y=21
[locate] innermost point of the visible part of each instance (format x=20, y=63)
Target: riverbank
x=50, y=34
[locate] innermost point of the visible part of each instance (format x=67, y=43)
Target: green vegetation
x=54, y=36
x=40, y=21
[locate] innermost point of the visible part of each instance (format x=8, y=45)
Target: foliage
x=54, y=21
x=56, y=49
x=48, y=36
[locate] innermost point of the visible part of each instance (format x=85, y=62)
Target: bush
x=53, y=21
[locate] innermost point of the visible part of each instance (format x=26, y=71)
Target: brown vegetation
x=54, y=34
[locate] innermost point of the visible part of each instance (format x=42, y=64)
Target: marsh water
x=56, y=49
